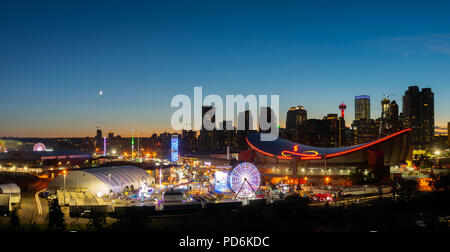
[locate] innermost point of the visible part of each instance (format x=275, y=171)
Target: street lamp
x=64, y=188
x=327, y=179
x=160, y=175
x=109, y=181
x=437, y=153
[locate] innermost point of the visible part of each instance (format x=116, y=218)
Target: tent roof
x=116, y=176
x=9, y=188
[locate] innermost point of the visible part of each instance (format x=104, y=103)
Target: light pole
x=132, y=143
x=109, y=181
x=160, y=175
x=437, y=153
x=64, y=188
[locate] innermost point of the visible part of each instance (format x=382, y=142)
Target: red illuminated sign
x=303, y=155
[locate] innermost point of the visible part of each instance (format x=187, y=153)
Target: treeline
x=415, y=212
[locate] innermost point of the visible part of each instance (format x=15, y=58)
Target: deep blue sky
x=56, y=55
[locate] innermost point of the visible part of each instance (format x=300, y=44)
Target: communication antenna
x=139, y=146
x=132, y=143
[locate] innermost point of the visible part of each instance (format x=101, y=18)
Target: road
x=38, y=202
x=33, y=208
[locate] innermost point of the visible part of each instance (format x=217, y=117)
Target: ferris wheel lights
x=244, y=180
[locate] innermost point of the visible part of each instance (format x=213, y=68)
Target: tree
x=292, y=207
x=132, y=219
x=97, y=221
x=407, y=190
x=14, y=221
x=357, y=177
x=55, y=216
x=441, y=182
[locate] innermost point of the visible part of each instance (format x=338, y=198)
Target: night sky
x=55, y=57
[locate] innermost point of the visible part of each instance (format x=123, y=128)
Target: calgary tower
x=342, y=107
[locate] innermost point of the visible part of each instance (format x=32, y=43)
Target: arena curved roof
x=102, y=180
x=118, y=176
x=285, y=149
x=9, y=188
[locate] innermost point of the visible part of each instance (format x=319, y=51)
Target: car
x=86, y=213
x=173, y=195
x=44, y=194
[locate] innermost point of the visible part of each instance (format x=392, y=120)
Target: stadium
x=283, y=157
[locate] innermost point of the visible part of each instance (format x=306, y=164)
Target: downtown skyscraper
x=365, y=129
x=418, y=114
x=295, y=116
x=362, y=107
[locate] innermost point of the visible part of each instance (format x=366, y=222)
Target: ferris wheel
x=244, y=180
x=39, y=147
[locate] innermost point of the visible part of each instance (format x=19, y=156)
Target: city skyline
x=235, y=117
x=56, y=62
x=148, y=133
